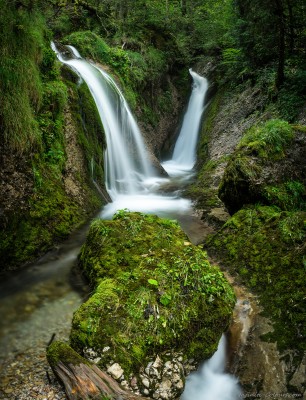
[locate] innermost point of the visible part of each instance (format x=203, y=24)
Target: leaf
x=165, y=299
x=153, y=282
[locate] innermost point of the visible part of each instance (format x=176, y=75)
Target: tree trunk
x=81, y=379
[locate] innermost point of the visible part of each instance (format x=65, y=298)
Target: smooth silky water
x=132, y=184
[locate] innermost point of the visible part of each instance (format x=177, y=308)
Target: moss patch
x=60, y=351
x=154, y=292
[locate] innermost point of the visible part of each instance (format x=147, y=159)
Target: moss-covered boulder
x=268, y=166
x=154, y=293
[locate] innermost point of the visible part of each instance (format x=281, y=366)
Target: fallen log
x=81, y=379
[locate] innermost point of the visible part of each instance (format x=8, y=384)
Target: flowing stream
x=131, y=183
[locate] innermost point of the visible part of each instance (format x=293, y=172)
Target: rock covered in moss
x=268, y=166
x=155, y=294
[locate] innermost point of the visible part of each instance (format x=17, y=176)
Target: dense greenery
x=153, y=292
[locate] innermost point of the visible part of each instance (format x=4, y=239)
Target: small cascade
x=184, y=154
x=211, y=382
x=126, y=158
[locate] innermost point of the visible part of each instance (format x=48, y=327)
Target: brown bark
x=83, y=380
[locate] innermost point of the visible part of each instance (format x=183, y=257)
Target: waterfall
x=130, y=179
x=126, y=158
x=211, y=382
x=184, y=154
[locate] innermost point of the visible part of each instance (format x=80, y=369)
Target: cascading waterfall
x=126, y=158
x=211, y=382
x=184, y=153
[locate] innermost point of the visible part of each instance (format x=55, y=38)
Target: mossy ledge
x=154, y=292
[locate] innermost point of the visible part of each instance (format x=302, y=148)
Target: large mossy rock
x=268, y=166
x=154, y=293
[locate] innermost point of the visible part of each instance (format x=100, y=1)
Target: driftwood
x=83, y=380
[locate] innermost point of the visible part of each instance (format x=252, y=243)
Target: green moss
x=288, y=196
x=51, y=217
x=60, y=351
x=154, y=291
x=266, y=246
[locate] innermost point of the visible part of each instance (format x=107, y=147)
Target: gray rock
x=115, y=371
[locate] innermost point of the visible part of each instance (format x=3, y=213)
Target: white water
x=130, y=179
x=126, y=158
x=211, y=382
x=184, y=153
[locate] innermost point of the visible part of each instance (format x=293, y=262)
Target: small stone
x=175, y=377
x=165, y=385
x=179, y=384
x=147, y=370
x=168, y=365
x=146, y=382
x=157, y=363
x=115, y=371
x=146, y=392
x=134, y=382
x=105, y=349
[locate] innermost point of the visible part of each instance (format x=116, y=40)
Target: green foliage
x=268, y=139
x=291, y=96
x=153, y=291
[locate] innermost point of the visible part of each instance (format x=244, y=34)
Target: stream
x=40, y=300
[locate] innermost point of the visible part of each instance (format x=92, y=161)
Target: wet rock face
x=16, y=183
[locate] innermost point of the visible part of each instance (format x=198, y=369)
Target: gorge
x=241, y=198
